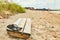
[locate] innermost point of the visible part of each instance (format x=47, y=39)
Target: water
x=58, y=12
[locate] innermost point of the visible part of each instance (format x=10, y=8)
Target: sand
x=45, y=26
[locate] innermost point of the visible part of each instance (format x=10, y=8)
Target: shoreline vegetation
x=7, y=9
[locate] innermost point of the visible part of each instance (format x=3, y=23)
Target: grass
x=9, y=9
x=14, y=8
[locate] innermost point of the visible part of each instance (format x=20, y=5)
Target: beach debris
x=20, y=29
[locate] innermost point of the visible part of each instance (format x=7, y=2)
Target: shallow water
x=58, y=12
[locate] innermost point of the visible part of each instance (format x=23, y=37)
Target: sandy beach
x=45, y=25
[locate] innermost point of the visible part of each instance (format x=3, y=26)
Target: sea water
x=58, y=12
